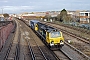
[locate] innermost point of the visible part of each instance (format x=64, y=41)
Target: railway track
x=70, y=56
x=38, y=51
x=73, y=35
x=35, y=50
x=13, y=52
x=85, y=40
x=62, y=55
x=72, y=27
x=10, y=49
x=6, y=49
x=78, y=29
x=59, y=55
x=81, y=53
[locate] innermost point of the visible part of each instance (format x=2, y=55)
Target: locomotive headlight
x=52, y=43
x=61, y=42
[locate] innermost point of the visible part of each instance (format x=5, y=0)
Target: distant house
x=1, y=17
x=32, y=15
x=84, y=17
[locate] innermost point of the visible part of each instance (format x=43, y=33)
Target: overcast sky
x=19, y=6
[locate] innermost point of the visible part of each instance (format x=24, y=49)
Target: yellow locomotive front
x=54, y=39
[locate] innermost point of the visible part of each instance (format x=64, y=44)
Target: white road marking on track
x=23, y=33
x=26, y=33
x=20, y=25
x=27, y=37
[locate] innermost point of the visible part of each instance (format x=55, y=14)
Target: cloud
x=16, y=6
x=5, y=1
x=14, y=9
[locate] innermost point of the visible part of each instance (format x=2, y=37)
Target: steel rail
x=73, y=35
x=84, y=55
x=70, y=58
x=31, y=51
x=39, y=49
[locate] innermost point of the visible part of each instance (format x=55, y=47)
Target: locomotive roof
x=46, y=27
x=50, y=30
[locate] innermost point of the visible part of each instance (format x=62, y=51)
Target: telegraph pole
x=2, y=11
x=2, y=14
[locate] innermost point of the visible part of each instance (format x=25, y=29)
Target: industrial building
x=84, y=17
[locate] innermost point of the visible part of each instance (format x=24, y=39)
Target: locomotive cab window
x=55, y=34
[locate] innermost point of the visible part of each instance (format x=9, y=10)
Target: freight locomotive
x=51, y=36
